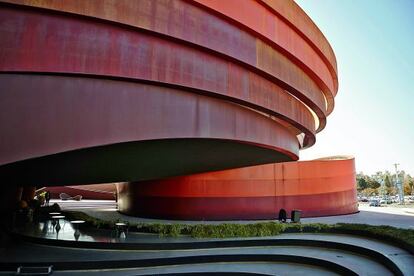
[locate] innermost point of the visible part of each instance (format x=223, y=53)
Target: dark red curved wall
x=318, y=188
x=93, y=191
x=101, y=91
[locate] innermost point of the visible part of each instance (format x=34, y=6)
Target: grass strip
x=403, y=237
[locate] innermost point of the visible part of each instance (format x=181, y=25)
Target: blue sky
x=373, y=119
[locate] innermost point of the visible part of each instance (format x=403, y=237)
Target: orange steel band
x=278, y=179
x=276, y=30
x=254, y=91
x=250, y=50
x=317, y=188
x=304, y=26
x=116, y=111
x=187, y=104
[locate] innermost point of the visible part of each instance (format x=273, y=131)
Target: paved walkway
x=364, y=266
x=21, y=251
x=18, y=252
x=392, y=216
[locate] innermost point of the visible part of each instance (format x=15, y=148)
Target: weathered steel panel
x=180, y=19
x=58, y=114
x=317, y=188
x=88, y=81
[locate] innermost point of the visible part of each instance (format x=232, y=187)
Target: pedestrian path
x=397, y=217
x=141, y=254
x=102, y=251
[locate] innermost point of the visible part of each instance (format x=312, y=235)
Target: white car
x=375, y=203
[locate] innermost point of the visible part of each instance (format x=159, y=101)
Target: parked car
x=375, y=203
x=411, y=199
x=386, y=200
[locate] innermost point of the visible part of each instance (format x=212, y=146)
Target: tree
x=389, y=187
x=408, y=185
x=370, y=192
x=378, y=176
x=407, y=188
x=372, y=183
x=361, y=184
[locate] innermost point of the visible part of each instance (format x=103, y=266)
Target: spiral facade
x=318, y=188
x=103, y=91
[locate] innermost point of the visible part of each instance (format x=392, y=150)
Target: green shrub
x=175, y=229
x=230, y=230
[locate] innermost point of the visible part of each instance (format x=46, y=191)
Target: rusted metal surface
x=59, y=114
x=93, y=191
x=149, y=58
x=100, y=81
x=317, y=188
x=258, y=19
x=180, y=19
x=303, y=24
